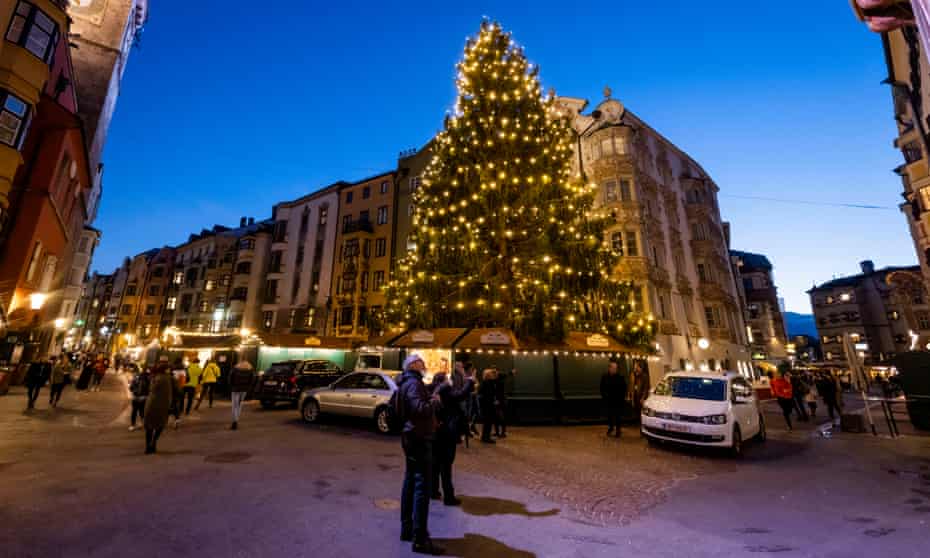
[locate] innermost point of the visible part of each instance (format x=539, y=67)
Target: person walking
x=87, y=372
x=179, y=378
x=417, y=411
x=799, y=390
x=36, y=376
x=452, y=425
x=100, y=371
x=241, y=380
x=811, y=397
x=487, y=402
x=60, y=377
x=826, y=387
x=139, y=388
x=158, y=405
x=613, y=392
x=209, y=378
x=191, y=382
x=781, y=389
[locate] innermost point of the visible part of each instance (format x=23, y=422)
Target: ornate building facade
x=674, y=244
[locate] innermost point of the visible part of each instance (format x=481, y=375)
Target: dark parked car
x=284, y=381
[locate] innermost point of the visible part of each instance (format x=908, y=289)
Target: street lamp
x=703, y=344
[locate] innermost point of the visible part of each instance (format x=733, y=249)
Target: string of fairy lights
x=505, y=235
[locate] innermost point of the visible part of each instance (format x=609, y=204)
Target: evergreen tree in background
x=505, y=235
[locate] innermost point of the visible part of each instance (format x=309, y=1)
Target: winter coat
x=487, y=397
x=140, y=386
x=211, y=373
x=827, y=389
x=36, y=375
x=613, y=389
x=451, y=417
x=241, y=379
x=158, y=404
x=781, y=388
x=416, y=407
x=61, y=369
x=194, y=372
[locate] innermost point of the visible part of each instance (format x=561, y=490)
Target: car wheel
x=311, y=411
x=736, y=447
x=383, y=420
x=761, y=436
x=267, y=404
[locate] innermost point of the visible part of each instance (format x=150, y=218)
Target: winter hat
x=411, y=358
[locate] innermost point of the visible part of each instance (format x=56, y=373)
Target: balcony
x=360, y=225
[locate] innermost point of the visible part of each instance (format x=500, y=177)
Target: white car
x=705, y=409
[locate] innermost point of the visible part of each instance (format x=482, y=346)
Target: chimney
x=867, y=267
x=242, y=222
x=251, y=221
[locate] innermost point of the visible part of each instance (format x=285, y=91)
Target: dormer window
x=33, y=30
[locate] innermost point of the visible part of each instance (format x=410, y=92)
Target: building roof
x=334, y=187
x=854, y=280
x=750, y=261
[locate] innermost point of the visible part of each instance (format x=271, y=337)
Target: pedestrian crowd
x=797, y=393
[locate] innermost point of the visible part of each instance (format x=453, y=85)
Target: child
x=811, y=399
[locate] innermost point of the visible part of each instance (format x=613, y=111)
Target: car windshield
x=707, y=389
x=281, y=368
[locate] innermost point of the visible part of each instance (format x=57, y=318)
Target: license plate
x=271, y=383
x=676, y=427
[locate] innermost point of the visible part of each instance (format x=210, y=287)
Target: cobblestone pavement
x=75, y=483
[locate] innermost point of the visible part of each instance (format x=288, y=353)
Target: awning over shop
x=440, y=338
x=296, y=340
x=205, y=342
x=383, y=340
x=490, y=339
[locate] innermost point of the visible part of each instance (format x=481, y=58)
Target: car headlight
x=714, y=419
x=648, y=412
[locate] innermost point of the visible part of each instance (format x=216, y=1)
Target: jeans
x=204, y=389
x=614, y=412
x=55, y=395
x=443, y=458
x=189, y=392
x=33, y=393
x=138, y=410
x=414, y=500
x=237, y=398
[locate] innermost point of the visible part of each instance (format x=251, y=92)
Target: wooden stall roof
x=488, y=338
x=193, y=342
x=441, y=338
x=306, y=341
x=383, y=340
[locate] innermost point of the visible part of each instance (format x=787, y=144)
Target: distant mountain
x=800, y=324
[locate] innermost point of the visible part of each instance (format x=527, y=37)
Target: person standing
x=35, y=378
x=811, y=397
x=179, y=378
x=61, y=373
x=139, y=388
x=241, y=381
x=158, y=405
x=87, y=372
x=826, y=387
x=487, y=402
x=417, y=411
x=781, y=389
x=613, y=392
x=211, y=375
x=452, y=425
x=502, y=384
x=191, y=382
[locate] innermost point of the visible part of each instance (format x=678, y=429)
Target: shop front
x=281, y=347
x=435, y=347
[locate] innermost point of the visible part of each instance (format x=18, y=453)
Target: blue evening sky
x=228, y=107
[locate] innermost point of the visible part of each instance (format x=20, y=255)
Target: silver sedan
x=359, y=394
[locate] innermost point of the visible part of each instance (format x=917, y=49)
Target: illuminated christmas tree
x=505, y=235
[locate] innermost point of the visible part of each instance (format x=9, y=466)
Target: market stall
x=375, y=354
x=433, y=345
x=278, y=347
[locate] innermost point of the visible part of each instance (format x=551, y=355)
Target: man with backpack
x=416, y=410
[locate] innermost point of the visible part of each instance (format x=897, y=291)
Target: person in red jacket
x=781, y=389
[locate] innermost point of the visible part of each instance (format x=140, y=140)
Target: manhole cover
x=228, y=457
x=387, y=504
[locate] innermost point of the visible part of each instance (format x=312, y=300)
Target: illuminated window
x=210, y=285
x=845, y=297
x=172, y=303
x=178, y=277
x=267, y=319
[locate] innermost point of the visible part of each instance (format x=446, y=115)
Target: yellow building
x=32, y=31
x=363, y=257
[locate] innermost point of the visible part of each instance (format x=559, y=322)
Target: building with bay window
x=765, y=323
x=668, y=232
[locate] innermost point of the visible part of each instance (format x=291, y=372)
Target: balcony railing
x=361, y=225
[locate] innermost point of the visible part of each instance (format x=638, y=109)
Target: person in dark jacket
x=240, y=383
x=826, y=387
x=800, y=389
x=613, y=392
x=487, y=402
x=139, y=388
x=61, y=373
x=452, y=424
x=36, y=376
x=158, y=405
x=417, y=411
x=501, y=384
